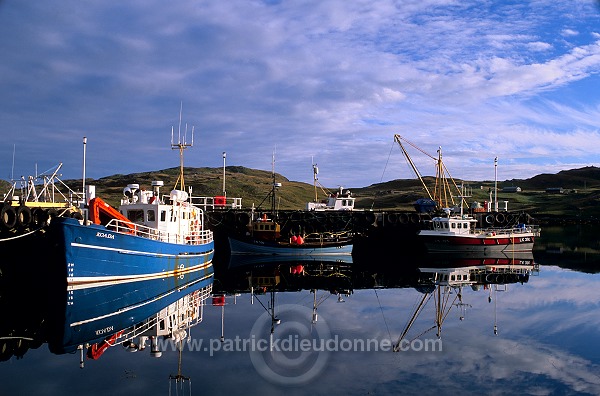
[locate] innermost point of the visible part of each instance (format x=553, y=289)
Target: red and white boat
x=455, y=233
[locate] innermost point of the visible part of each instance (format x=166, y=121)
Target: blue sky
x=331, y=80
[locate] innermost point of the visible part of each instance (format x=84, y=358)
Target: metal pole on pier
x=84, y=149
x=224, y=156
x=496, y=184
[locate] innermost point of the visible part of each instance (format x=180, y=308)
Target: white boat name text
x=105, y=330
x=100, y=234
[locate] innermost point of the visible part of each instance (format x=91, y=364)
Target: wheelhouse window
x=151, y=215
x=136, y=215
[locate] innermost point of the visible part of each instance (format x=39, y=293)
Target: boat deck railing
x=192, y=237
x=525, y=228
x=216, y=203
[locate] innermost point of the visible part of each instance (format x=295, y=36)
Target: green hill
x=581, y=197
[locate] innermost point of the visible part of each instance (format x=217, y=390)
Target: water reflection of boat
x=93, y=313
x=477, y=276
x=172, y=323
x=464, y=259
x=69, y=319
x=258, y=276
x=248, y=260
x=149, y=237
x=446, y=286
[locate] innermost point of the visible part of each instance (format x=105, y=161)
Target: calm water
x=547, y=341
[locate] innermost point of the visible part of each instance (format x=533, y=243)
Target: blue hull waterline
x=271, y=248
x=95, y=256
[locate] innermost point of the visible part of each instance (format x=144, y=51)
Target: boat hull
x=95, y=256
x=250, y=246
x=475, y=243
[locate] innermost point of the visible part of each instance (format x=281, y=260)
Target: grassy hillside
x=581, y=197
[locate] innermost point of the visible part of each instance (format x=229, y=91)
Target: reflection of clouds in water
x=473, y=358
x=471, y=361
x=523, y=359
x=557, y=285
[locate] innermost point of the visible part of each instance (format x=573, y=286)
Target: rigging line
x=423, y=333
x=384, y=169
x=301, y=300
x=417, y=148
x=323, y=298
x=263, y=305
x=417, y=306
x=387, y=161
x=383, y=315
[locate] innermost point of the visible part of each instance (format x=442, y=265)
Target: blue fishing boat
x=264, y=235
x=268, y=242
x=164, y=238
x=130, y=256
x=151, y=236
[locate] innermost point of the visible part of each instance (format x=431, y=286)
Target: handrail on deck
x=194, y=237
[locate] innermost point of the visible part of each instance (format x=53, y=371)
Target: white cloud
x=326, y=78
x=569, y=32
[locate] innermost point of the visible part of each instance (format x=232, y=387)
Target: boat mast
x=274, y=188
x=398, y=140
x=440, y=182
x=181, y=145
x=442, y=195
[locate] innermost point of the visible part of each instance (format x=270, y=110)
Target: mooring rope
x=21, y=236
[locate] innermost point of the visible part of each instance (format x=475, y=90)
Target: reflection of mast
x=442, y=309
x=262, y=282
x=219, y=301
x=179, y=380
x=492, y=289
x=461, y=305
x=315, y=316
x=412, y=320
